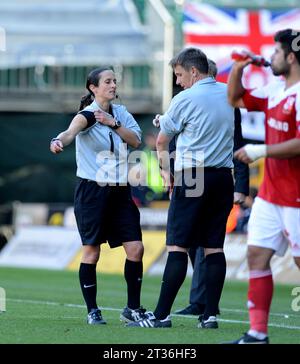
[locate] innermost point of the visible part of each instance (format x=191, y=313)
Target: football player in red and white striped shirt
x=275, y=219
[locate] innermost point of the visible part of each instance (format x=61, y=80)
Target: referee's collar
x=205, y=81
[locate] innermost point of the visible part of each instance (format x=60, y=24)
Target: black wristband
x=54, y=139
x=117, y=125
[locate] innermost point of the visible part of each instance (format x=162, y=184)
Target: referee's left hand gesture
x=165, y=175
x=104, y=119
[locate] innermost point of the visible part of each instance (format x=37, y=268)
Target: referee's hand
x=56, y=146
x=104, y=118
x=155, y=121
x=238, y=198
x=165, y=175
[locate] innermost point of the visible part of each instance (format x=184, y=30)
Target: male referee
x=203, y=121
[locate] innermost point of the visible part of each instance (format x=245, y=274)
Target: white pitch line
x=244, y=322
x=50, y=303
x=236, y=310
x=270, y=324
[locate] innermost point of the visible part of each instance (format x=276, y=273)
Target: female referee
x=104, y=209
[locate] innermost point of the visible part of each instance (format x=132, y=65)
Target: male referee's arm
x=162, y=146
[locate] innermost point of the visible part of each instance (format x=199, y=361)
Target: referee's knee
x=90, y=254
x=134, y=250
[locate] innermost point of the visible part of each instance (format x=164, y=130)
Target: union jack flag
x=219, y=30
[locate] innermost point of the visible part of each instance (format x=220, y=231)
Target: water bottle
x=256, y=59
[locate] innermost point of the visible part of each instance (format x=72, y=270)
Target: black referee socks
x=88, y=283
x=133, y=273
x=214, y=281
x=173, y=277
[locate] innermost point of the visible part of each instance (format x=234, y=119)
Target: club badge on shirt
x=288, y=105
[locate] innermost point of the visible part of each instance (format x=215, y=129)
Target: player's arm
x=252, y=152
x=66, y=137
x=235, y=89
x=288, y=149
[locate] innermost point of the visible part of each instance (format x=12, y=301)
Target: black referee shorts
x=201, y=221
x=106, y=214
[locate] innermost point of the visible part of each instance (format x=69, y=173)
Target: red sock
x=260, y=293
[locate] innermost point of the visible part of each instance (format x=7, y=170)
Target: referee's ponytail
x=92, y=79
x=86, y=100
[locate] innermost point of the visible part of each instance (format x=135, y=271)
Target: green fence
x=41, y=77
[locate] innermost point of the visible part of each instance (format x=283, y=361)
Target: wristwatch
x=117, y=124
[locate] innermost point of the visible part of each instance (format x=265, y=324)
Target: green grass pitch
x=46, y=307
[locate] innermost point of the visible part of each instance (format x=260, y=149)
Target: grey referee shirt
x=204, y=122
x=101, y=154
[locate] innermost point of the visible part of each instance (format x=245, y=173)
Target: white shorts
x=274, y=227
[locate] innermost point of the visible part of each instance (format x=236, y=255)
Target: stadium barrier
x=36, y=244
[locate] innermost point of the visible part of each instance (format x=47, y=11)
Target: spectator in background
x=274, y=223
x=150, y=162
x=151, y=185
x=104, y=208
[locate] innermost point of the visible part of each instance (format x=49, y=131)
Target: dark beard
x=284, y=71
